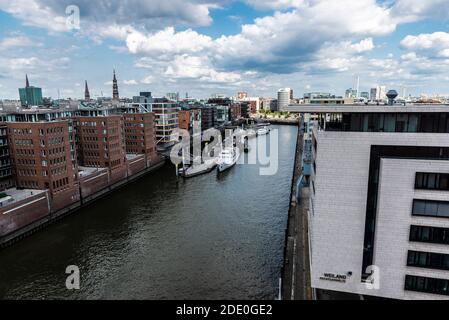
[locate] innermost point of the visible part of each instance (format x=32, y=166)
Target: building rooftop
x=15, y=195
x=87, y=171
x=314, y=108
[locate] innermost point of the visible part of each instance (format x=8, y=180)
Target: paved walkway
x=296, y=276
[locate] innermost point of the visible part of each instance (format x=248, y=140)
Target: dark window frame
x=427, y=285
x=429, y=203
x=423, y=181
x=426, y=234
x=428, y=260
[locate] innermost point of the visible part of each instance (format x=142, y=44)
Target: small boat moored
x=227, y=159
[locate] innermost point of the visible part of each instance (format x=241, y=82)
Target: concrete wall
x=22, y=213
x=94, y=182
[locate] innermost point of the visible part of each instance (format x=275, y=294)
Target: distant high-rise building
x=364, y=94
x=86, y=92
x=242, y=95
x=284, y=98
x=351, y=93
x=173, y=96
x=30, y=96
x=378, y=93
x=291, y=95
x=115, y=94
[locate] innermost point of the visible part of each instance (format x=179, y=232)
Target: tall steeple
x=86, y=93
x=27, y=83
x=115, y=95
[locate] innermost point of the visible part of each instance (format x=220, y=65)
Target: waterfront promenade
x=296, y=271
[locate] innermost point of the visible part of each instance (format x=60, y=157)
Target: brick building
x=190, y=119
x=235, y=112
x=208, y=117
x=6, y=178
x=101, y=141
x=140, y=135
x=41, y=155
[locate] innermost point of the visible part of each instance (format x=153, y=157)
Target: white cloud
x=130, y=82
x=185, y=66
x=433, y=44
x=17, y=41
x=167, y=41
x=24, y=63
x=147, y=80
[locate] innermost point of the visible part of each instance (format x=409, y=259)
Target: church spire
x=115, y=94
x=86, y=92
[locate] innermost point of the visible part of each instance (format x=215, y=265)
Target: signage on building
x=334, y=277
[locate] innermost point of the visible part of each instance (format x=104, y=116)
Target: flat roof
x=20, y=194
x=87, y=171
x=313, y=108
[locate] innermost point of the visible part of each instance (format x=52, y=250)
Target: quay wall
x=25, y=217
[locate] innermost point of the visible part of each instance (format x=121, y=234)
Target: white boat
x=198, y=169
x=263, y=131
x=227, y=159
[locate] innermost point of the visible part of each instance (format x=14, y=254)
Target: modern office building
x=365, y=95
x=30, y=96
x=351, y=93
x=378, y=94
x=166, y=115
x=379, y=205
x=284, y=98
x=174, y=96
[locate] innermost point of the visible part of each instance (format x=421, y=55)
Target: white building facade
x=284, y=98
x=379, y=217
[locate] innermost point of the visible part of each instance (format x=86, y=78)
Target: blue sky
x=209, y=46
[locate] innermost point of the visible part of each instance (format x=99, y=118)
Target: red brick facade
x=140, y=135
x=41, y=155
x=101, y=141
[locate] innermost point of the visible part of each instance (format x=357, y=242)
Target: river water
x=210, y=237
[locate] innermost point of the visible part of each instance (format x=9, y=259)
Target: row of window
x=431, y=208
x=429, y=234
x=60, y=183
x=432, y=181
x=427, y=285
x=28, y=184
x=428, y=260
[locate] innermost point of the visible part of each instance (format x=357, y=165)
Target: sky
x=204, y=47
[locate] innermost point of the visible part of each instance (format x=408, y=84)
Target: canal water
x=210, y=237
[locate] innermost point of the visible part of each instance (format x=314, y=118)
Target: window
x=431, y=208
x=427, y=285
x=432, y=181
x=428, y=260
x=429, y=234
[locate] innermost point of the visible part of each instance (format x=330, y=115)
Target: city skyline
x=223, y=46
